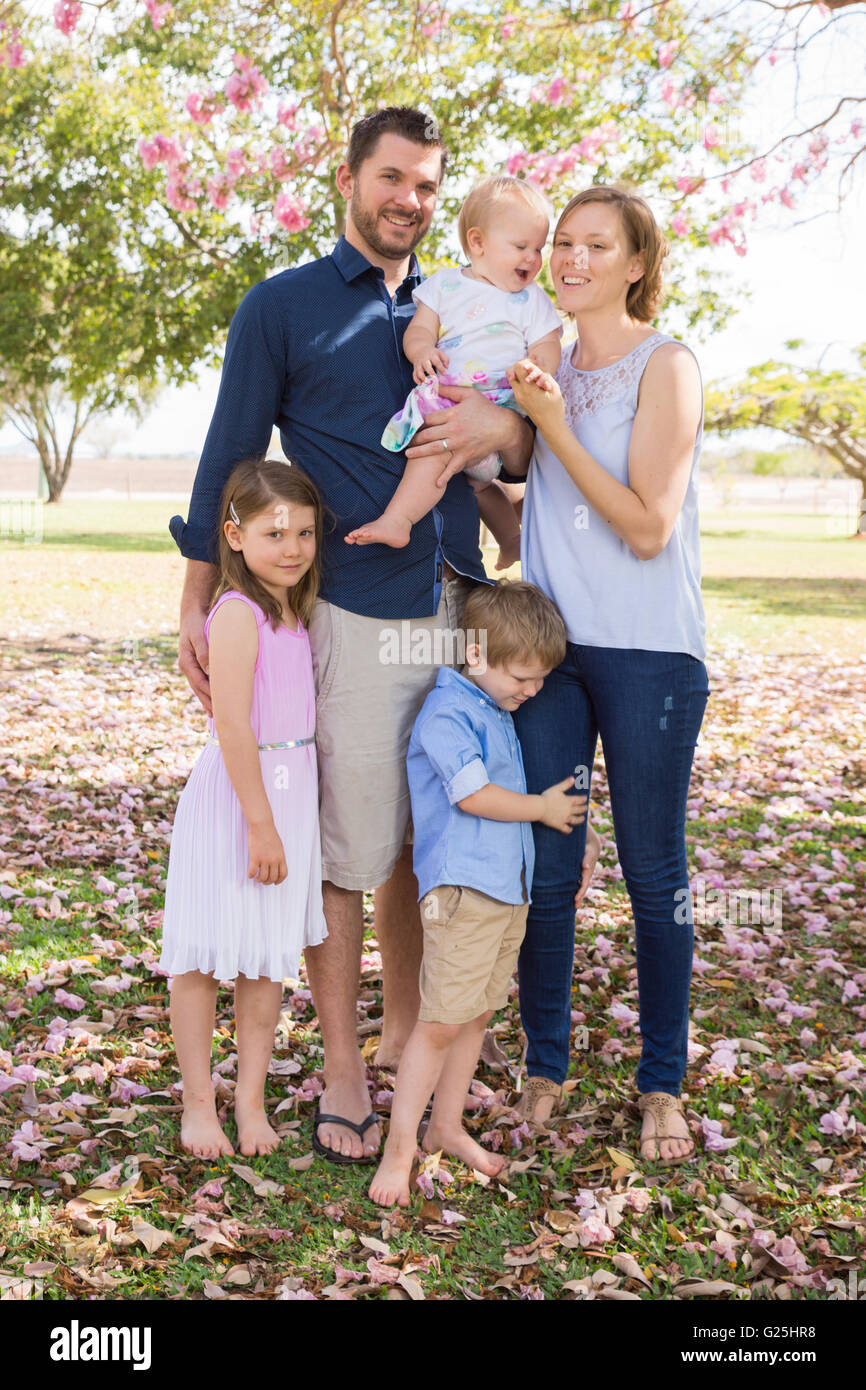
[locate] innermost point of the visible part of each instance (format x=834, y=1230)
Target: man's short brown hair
x=520, y=623
x=414, y=125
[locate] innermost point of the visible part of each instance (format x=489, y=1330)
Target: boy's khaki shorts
x=471, y=945
x=371, y=681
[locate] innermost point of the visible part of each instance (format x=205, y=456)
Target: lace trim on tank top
x=585, y=393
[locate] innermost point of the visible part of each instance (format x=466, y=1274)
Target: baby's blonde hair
x=487, y=195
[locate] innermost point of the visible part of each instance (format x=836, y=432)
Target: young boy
x=473, y=857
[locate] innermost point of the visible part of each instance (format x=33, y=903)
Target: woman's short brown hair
x=645, y=238
x=518, y=623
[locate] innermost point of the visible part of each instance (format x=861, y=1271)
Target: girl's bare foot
x=390, y=1186
x=201, y=1133
x=461, y=1145
x=509, y=554
x=255, y=1135
x=386, y=530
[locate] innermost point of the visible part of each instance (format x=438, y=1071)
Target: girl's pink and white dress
x=217, y=918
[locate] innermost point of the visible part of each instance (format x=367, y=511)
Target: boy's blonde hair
x=486, y=197
x=520, y=623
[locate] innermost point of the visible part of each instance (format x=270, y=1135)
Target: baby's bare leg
x=445, y=1130
x=499, y=516
x=257, y=1012
x=420, y=1067
x=416, y=495
x=193, y=1012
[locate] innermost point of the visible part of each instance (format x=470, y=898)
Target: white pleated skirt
x=217, y=919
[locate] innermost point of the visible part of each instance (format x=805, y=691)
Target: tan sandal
x=662, y=1107
x=536, y=1089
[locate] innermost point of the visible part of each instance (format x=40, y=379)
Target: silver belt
x=287, y=743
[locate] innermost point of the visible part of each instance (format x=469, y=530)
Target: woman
x=610, y=532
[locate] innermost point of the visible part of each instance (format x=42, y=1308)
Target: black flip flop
x=360, y=1130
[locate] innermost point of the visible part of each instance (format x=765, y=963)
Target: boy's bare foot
x=390, y=1186
x=255, y=1135
x=509, y=554
x=202, y=1134
x=386, y=530
x=461, y=1145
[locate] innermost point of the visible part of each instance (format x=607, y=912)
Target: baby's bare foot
x=394, y=531
x=255, y=1135
x=509, y=554
x=461, y=1145
x=201, y=1133
x=390, y=1186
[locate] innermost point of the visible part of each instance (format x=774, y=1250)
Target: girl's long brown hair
x=255, y=486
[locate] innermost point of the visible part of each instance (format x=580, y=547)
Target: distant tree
x=103, y=296
x=826, y=409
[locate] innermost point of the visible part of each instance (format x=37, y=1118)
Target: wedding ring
x=445, y=445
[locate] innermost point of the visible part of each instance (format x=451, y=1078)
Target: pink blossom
x=625, y=1017
x=508, y=25
x=246, y=84
x=162, y=149
x=219, y=192
x=235, y=166
x=594, y=1230
x=286, y=116
x=773, y=58
x=689, y=183
x=711, y=137
x=451, y=1218
x=68, y=1001
x=203, y=106
x=715, y=97
x=280, y=165
x=834, y=1121
x=158, y=13
x=66, y=15
x=786, y=198
x=425, y=1183
x=289, y=212
x=559, y=92
x=520, y=1133
x=181, y=191
x=786, y=1252
x=27, y=1143
x=759, y=170
x=667, y=53
x=713, y=1140
x=679, y=224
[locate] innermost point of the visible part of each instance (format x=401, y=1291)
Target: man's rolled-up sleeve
x=454, y=752
x=250, y=394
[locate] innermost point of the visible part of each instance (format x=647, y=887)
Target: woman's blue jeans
x=647, y=707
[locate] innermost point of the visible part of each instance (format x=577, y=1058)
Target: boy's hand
x=425, y=367
x=267, y=856
x=562, y=812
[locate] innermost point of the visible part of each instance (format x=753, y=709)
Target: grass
x=776, y=586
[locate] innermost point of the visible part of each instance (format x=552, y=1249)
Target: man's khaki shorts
x=471, y=945
x=372, y=677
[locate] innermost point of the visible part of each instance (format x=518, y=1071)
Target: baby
x=470, y=325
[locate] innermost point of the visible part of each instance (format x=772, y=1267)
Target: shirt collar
x=448, y=676
x=351, y=263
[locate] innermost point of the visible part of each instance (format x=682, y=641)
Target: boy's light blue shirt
x=462, y=740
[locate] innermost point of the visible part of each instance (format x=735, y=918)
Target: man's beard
x=368, y=225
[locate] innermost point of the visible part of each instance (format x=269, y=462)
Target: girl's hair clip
x=233, y=514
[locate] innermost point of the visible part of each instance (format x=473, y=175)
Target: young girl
x=243, y=896
x=488, y=316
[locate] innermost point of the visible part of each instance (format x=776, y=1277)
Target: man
x=317, y=350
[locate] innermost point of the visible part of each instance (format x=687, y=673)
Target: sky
x=802, y=278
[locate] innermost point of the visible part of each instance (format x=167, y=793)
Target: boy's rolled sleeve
x=455, y=754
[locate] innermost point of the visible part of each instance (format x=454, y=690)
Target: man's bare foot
x=202, y=1134
x=509, y=554
x=255, y=1135
x=385, y=530
x=390, y=1186
x=351, y=1099
x=461, y=1145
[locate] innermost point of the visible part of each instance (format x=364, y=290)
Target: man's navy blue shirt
x=318, y=351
